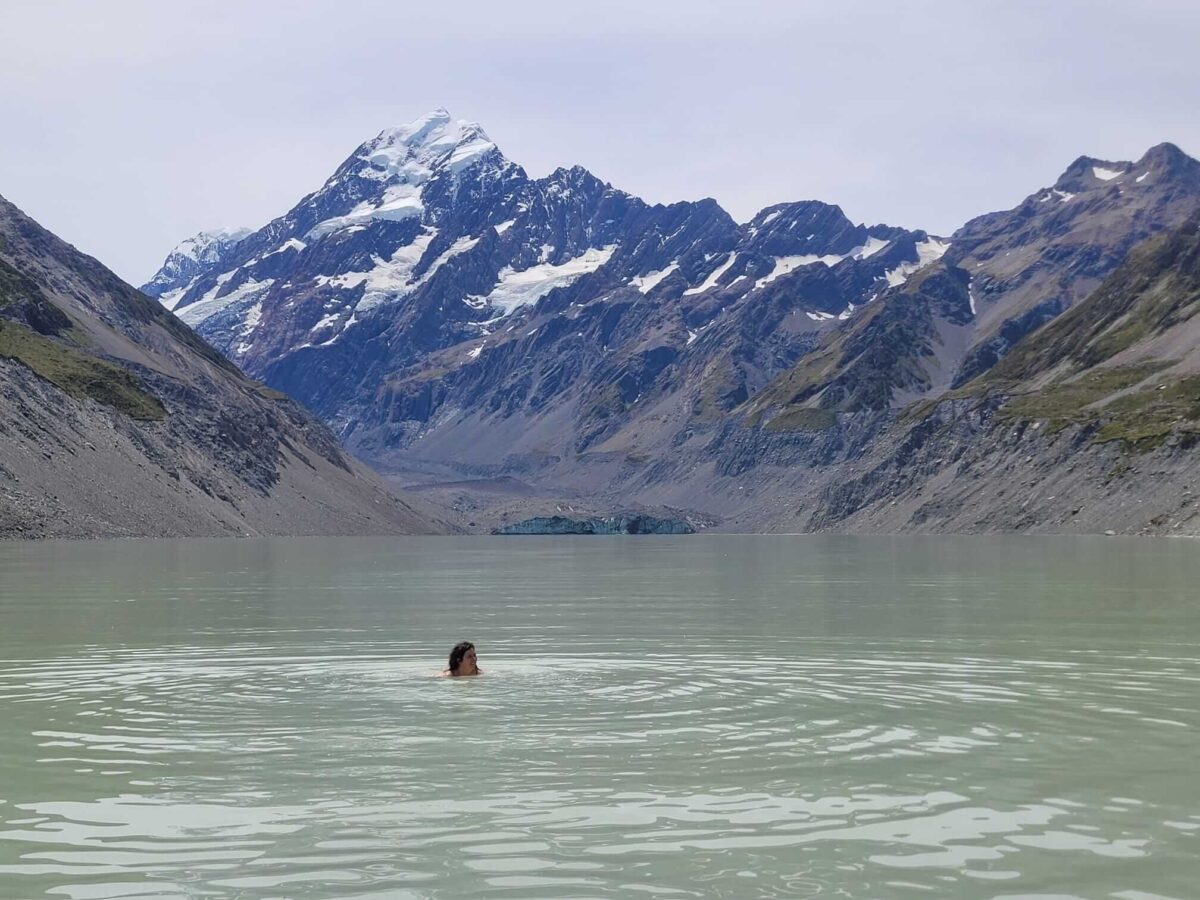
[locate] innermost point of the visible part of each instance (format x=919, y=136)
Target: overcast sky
x=130, y=125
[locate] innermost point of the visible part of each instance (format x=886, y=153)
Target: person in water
x=463, y=660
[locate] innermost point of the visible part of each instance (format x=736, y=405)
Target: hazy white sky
x=129, y=125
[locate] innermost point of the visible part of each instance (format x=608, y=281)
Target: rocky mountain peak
x=1086, y=173
x=797, y=213
x=420, y=128
x=206, y=246
x=1162, y=161
x=1168, y=159
x=197, y=253
x=575, y=178
x=225, y=234
x=805, y=226
x=410, y=153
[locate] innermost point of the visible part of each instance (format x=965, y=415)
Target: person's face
x=469, y=664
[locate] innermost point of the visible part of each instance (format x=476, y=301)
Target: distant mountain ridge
x=451, y=317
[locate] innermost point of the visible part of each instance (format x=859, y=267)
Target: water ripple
x=356, y=773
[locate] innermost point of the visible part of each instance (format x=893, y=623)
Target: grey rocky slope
x=1005, y=275
x=1090, y=424
x=116, y=420
x=457, y=321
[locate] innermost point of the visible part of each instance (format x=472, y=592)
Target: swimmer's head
x=463, y=660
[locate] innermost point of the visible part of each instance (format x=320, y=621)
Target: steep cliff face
x=117, y=420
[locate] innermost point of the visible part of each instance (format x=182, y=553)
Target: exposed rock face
x=430, y=291
x=454, y=319
x=636, y=524
x=1018, y=270
x=1091, y=424
x=118, y=421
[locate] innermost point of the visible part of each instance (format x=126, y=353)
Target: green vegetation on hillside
x=1155, y=290
x=720, y=390
x=803, y=418
x=78, y=374
x=1141, y=419
x=1145, y=419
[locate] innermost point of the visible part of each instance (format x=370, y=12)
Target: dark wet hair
x=457, y=654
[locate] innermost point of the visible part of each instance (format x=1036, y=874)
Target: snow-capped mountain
x=189, y=260
x=428, y=242
x=443, y=311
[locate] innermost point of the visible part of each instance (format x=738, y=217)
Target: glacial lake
x=691, y=717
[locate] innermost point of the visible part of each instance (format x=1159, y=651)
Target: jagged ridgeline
x=117, y=420
x=445, y=312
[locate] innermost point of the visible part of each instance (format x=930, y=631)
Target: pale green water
x=682, y=717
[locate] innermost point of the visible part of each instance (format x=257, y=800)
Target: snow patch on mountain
x=711, y=281
x=646, y=283
x=388, y=279
x=1106, y=174
x=460, y=246
x=289, y=244
x=931, y=250
x=786, y=264
x=200, y=247
x=410, y=153
x=326, y=321
x=171, y=298
x=869, y=249
x=517, y=289
x=397, y=203
x=210, y=304
x=249, y=323
x=253, y=317
x=928, y=250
